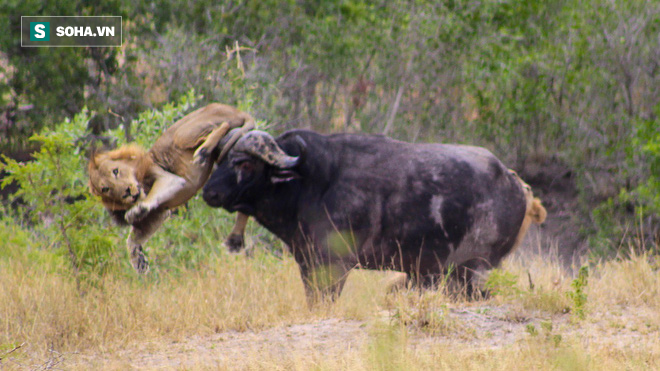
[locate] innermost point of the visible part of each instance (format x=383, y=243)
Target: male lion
x=535, y=212
x=139, y=187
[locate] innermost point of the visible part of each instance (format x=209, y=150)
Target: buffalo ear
x=284, y=175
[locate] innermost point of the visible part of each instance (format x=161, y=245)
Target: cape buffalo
x=348, y=200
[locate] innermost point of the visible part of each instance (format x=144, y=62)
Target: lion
x=139, y=188
x=535, y=213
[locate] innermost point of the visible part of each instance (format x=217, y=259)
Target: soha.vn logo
x=84, y=31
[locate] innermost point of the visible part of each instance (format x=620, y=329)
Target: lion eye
x=105, y=189
x=115, y=171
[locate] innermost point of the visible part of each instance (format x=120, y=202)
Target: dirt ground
x=477, y=327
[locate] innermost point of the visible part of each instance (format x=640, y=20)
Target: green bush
x=578, y=295
x=634, y=214
x=645, y=148
x=55, y=203
x=56, y=216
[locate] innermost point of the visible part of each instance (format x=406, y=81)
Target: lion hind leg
x=203, y=152
x=139, y=235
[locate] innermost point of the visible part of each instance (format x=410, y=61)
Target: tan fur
x=147, y=184
x=535, y=212
x=132, y=162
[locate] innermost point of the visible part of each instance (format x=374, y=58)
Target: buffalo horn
x=263, y=145
x=232, y=137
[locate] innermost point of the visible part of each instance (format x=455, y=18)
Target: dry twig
x=11, y=351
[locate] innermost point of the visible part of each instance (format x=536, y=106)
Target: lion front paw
x=137, y=213
x=234, y=242
x=201, y=156
x=139, y=261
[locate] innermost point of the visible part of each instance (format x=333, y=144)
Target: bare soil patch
x=478, y=327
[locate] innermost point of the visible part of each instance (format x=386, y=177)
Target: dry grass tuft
x=634, y=280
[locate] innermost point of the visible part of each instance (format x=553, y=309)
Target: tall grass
x=44, y=309
x=632, y=280
x=49, y=309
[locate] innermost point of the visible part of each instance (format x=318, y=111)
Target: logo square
x=39, y=31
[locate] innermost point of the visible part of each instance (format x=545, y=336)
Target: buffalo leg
x=323, y=282
x=467, y=279
x=235, y=241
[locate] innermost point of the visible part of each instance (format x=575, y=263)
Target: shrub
x=54, y=200
x=64, y=220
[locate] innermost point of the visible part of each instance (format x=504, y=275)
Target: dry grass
x=48, y=311
x=388, y=352
x=629, y=281
x=541, y=284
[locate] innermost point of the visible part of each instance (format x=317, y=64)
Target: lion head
x=117, y=176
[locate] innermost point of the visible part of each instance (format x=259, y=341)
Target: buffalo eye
x=115, y=172
x=246, y=166
x=105, y=189
x=244, y=170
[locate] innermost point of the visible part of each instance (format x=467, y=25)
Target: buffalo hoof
x=235, y=243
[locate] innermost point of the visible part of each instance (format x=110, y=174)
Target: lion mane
x=133, y=157
x=534, y=210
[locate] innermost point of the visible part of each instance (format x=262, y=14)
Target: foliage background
x=570, y=85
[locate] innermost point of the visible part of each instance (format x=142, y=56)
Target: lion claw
x=137, y=213
x=201, y=156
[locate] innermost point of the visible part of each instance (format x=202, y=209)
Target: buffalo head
x=255, y=165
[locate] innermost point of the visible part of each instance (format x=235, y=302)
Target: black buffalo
x=347, y=200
